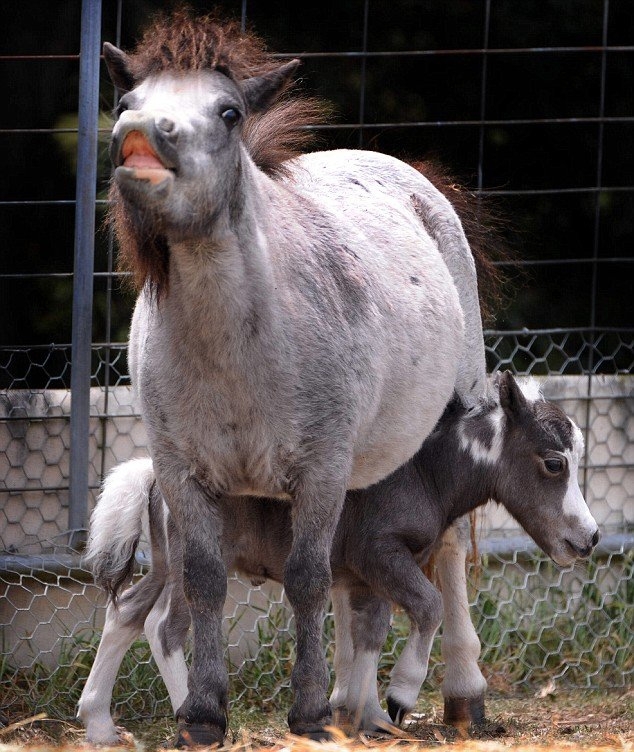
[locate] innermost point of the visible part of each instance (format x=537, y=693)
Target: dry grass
x=559, y=721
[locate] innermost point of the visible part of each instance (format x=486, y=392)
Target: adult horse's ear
x=512, y=400
x=118, y=65
x=261, y=91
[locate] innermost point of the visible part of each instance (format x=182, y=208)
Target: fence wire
x=537, y=623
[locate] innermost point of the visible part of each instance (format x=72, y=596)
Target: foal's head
x=535, y=450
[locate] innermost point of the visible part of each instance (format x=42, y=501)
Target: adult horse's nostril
x=166, y=125
x=595, y=538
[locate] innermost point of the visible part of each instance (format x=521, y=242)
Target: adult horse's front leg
x=307, y=581
x=202, y=718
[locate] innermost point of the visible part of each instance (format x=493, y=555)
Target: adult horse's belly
x=410, y=410
x=417, y=339
x=420, y=361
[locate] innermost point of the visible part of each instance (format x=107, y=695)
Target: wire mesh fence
x=559, y=159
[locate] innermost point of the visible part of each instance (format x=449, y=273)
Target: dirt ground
x=565, y=721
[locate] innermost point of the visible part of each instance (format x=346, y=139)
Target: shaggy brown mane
x=182, y=43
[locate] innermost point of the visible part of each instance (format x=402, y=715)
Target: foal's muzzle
x=583, y=551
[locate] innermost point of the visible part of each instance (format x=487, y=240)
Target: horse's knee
x=429, y=617
x=370, y=623
x=204, y=576
x=307, y=581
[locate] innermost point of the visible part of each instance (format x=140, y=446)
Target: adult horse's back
x=298, y=330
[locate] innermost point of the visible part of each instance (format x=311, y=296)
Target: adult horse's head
x=539, y=454
x=192, y=91
x=176, y=142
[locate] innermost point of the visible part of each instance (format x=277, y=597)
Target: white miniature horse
x=299, y=330
x=522, y=453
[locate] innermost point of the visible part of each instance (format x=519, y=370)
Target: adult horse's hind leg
x=463, y=686
x=122, y=626
x=307, y=579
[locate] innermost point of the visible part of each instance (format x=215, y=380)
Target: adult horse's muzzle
x=142, y=153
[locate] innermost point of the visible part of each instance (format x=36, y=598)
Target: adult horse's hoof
x=464, y=711
x=191, y=735
x=317, y=731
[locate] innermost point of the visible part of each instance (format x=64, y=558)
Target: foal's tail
x=117, y=522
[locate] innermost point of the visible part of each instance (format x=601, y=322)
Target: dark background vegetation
x=437, y=100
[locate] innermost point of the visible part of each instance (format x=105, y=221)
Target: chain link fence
x=537, y=623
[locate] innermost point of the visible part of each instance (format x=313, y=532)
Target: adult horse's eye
x=554, y=465
x=230, y=116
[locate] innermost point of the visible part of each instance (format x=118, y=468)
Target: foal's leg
x=166, y=628
x=463, y=687
x=409, y=588
x=307, y=581
x=122, y=626
x=203, y=715
x=370, y=624
x=344, y=649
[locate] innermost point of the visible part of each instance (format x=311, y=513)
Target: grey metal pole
x=84, y=266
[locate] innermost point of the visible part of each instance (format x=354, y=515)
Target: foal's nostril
x=166, y=125
x=595, y=538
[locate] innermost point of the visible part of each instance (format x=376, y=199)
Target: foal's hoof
x=190, y=735
x=396, y=710
x=463, y=711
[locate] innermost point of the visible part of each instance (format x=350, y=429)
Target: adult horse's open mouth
x=138, y=161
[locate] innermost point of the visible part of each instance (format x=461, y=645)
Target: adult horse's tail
x=117, y=522
x=468, y=241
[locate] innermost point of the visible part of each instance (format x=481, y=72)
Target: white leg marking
x=363, y=698
x=410, y=670
x=344, y=651
x=173, y=667
x=94, y=704
x=460, y=645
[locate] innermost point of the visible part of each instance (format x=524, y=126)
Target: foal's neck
x=462, y=456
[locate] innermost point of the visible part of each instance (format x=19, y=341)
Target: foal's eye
x=554, y=465
x=230, y=116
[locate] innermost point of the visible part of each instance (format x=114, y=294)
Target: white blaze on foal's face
x=574, y=505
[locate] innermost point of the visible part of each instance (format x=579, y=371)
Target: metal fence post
x=84, y=265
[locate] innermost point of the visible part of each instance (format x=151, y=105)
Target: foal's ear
x=261, y=91
x=118, y=65
x=512, y=400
